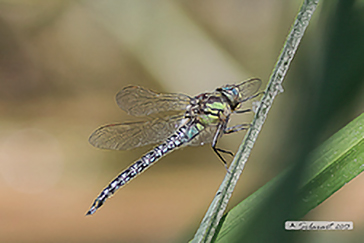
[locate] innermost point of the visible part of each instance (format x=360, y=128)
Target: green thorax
x=210, y=108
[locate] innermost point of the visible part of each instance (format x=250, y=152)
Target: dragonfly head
x=231, y=92
x=239, y=93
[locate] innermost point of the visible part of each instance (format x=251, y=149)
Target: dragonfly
x=172, y=121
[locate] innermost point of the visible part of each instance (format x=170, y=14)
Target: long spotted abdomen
x=179, y=138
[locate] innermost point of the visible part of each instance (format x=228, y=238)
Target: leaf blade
x=333, y=164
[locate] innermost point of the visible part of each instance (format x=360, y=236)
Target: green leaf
x=333, y=164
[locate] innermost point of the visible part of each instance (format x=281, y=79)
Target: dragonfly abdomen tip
x=91, y=211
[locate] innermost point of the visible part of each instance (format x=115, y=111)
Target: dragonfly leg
x=219, y=130
x=249, y=98
x=224, y=151
x=243, y=111
x=253, y=96
x=236, y=128
x=217, y=150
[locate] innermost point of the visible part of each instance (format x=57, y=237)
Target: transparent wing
x=126, y=136
x=139, y=101
x=249, y=87
x=205, y=136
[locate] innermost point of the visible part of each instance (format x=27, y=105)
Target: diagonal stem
x=217, y=208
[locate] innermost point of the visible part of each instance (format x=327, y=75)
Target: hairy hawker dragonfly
x=178, y=120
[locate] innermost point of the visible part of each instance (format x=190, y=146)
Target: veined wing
x=249, y=87
x=139, y=101
x=126, y=136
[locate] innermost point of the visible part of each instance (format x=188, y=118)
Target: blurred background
x=62, y=63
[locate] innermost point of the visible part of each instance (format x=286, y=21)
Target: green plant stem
x=217, y=208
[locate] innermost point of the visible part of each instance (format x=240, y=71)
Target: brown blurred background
x=61, y=64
